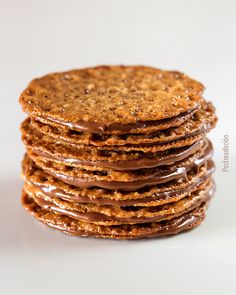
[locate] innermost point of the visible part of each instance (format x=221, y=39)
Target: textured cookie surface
x=116, y=215
x=148, y=196
x=75, y=227
x=117, y=152
x=109, y=95
x=202, y=121
x=50, y=148
x=126, y=180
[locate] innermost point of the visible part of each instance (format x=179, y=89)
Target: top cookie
x=109, y=98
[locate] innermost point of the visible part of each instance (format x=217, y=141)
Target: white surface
x=37, y=37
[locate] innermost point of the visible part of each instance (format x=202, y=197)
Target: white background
x=196, y=37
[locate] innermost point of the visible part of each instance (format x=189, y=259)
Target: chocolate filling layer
x=164, y=177
x=54, y=191
x=166, y=159
x=182, y=223
x=201, y=196
x=87, y=126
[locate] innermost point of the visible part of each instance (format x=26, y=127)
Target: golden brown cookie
x=129, y=180
x=111, y=99
x=49, y=148
x=58, y=151
x=116, y=215
x=117, y=152
x=75, y=227
x=148, y=196
x=201, y=122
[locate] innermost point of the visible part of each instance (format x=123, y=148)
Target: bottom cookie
x=71, y=226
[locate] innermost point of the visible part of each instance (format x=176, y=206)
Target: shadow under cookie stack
x=117, y=152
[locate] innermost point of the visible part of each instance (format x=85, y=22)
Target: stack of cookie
x=117, y=152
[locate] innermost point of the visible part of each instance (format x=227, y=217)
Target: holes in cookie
x=158, y=208
x=131, y=208
x=68, y=168
x=99, y=137
x=100, y=173
x=123, y=136
x=168, y=132
x=104, y=153
x=42, y=178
